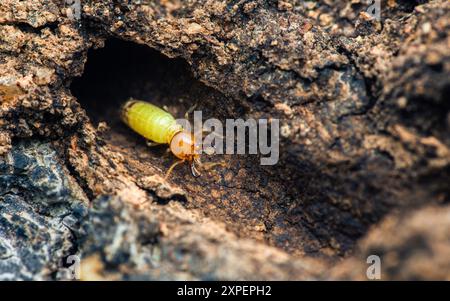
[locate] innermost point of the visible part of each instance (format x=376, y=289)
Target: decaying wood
x=365, y=149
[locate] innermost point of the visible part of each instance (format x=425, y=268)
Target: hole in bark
x=122, y=70
x=274, y=204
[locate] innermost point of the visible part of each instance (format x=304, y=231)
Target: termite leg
x=169, y=171
x=152, y=144
x=189, y=111
x=208, y=165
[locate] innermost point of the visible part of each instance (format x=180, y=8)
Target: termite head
x=183, y=147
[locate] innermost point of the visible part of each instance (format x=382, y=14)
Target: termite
x=159, y=127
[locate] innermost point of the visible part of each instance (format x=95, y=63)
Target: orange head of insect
x=183, y=147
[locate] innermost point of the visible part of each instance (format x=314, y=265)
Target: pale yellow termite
x=160, y=127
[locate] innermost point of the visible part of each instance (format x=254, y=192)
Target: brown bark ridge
x=365, y=150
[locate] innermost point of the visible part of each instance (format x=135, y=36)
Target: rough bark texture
x=365, y=149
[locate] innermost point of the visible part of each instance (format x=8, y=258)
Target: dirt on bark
x=364, y=165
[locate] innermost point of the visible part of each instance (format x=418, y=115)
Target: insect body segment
x=150, y=121
x=160, y=126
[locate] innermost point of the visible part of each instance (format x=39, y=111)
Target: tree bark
x=364, y=118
